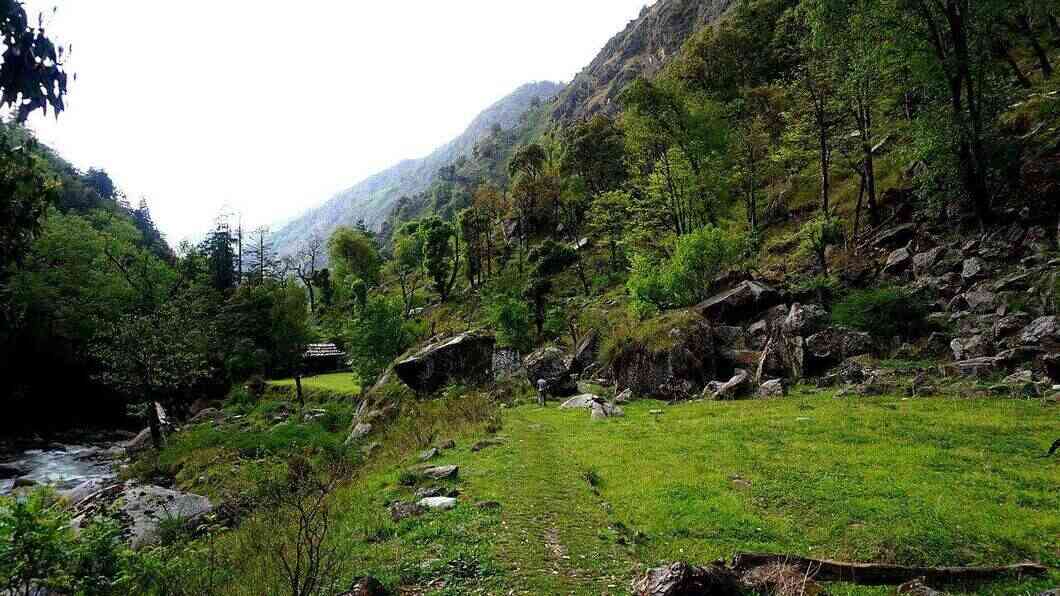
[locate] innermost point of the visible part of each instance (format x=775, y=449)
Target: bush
x=687, y=277
x=883, y=312
x=35, y=544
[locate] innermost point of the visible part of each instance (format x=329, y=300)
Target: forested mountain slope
x=642, y=49
x=372, y=199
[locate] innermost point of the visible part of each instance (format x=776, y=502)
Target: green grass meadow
x=587, y=505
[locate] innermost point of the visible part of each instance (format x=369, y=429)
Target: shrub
x=98, y=558
x=883, y=312
x=687, y=276
x=816, y=236
x=35, y=544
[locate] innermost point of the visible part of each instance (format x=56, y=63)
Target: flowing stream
x=63, y=466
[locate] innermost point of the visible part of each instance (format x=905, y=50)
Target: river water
x=63, y=466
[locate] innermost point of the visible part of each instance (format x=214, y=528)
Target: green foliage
x=35, y=543
x=354, y=254
x=98, y=558
x=510, y=319
x=687, y=276
x=441, y=254
x=816, y=236
x=883, y=312
x=376, y=335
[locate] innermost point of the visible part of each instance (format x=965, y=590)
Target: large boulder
x=738, y=386
x=1044, y=333
x=585, y=352
x=927, y=262
x=552, y=366
x=831, y=346
x=739, y=304
x=898, y=262
x=976, y=346
x=465, y=358
x=675, y=366
x=143, y=509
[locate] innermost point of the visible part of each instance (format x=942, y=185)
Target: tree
x=26, y=190
x=595, y=151
x=264, y=264
x=158, y=356
x=31, y=75
x=407, y=264
x=221, y=258
x=609, y=217
x=958, y=34
x=441, y=254
x=304, y=264
x=354, y=254
x=290, y=333
x=375, y=336
x=857, y=35
x=548, y=260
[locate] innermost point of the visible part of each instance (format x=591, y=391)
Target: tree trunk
x=1054, y=28
x=155, y=425
x=857, y=209
x=1043, y=59
x=298, y=390
x=826, y=182
x=1002, y=50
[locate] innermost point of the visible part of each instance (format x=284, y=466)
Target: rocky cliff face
x=373, y=198
x=642, y=49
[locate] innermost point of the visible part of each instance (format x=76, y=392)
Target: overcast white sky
x=271, y=107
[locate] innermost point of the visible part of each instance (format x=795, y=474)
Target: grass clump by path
x=587, y=505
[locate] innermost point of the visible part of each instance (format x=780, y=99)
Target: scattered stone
x=898, y=262
x=429, y=454
x=488, y=505
x=365, y=586
x=624, y=397
x=435, y=491
x=966, y=348
x=981, y=301
x=437, y=503
x=586, y=351
x=400, y=510
x=895, y=237
x=734, y=388
x=585, y=400
x=447, y=444
x=918, y=588
x=1043, y=332
x=207, y=415
x=467, y=358
x=486, y=443
x=360, y=431
x=441, y=472
x=924, y=263
x=973, y=268
x=601, y=410
x=770, y=389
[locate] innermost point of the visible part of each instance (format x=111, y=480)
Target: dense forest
x=846, y=208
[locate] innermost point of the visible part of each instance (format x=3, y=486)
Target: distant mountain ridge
x=641, y=49
x=373, y=198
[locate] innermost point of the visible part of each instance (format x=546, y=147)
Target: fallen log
x=876, y=574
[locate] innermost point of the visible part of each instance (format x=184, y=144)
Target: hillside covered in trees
x=765, y=301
